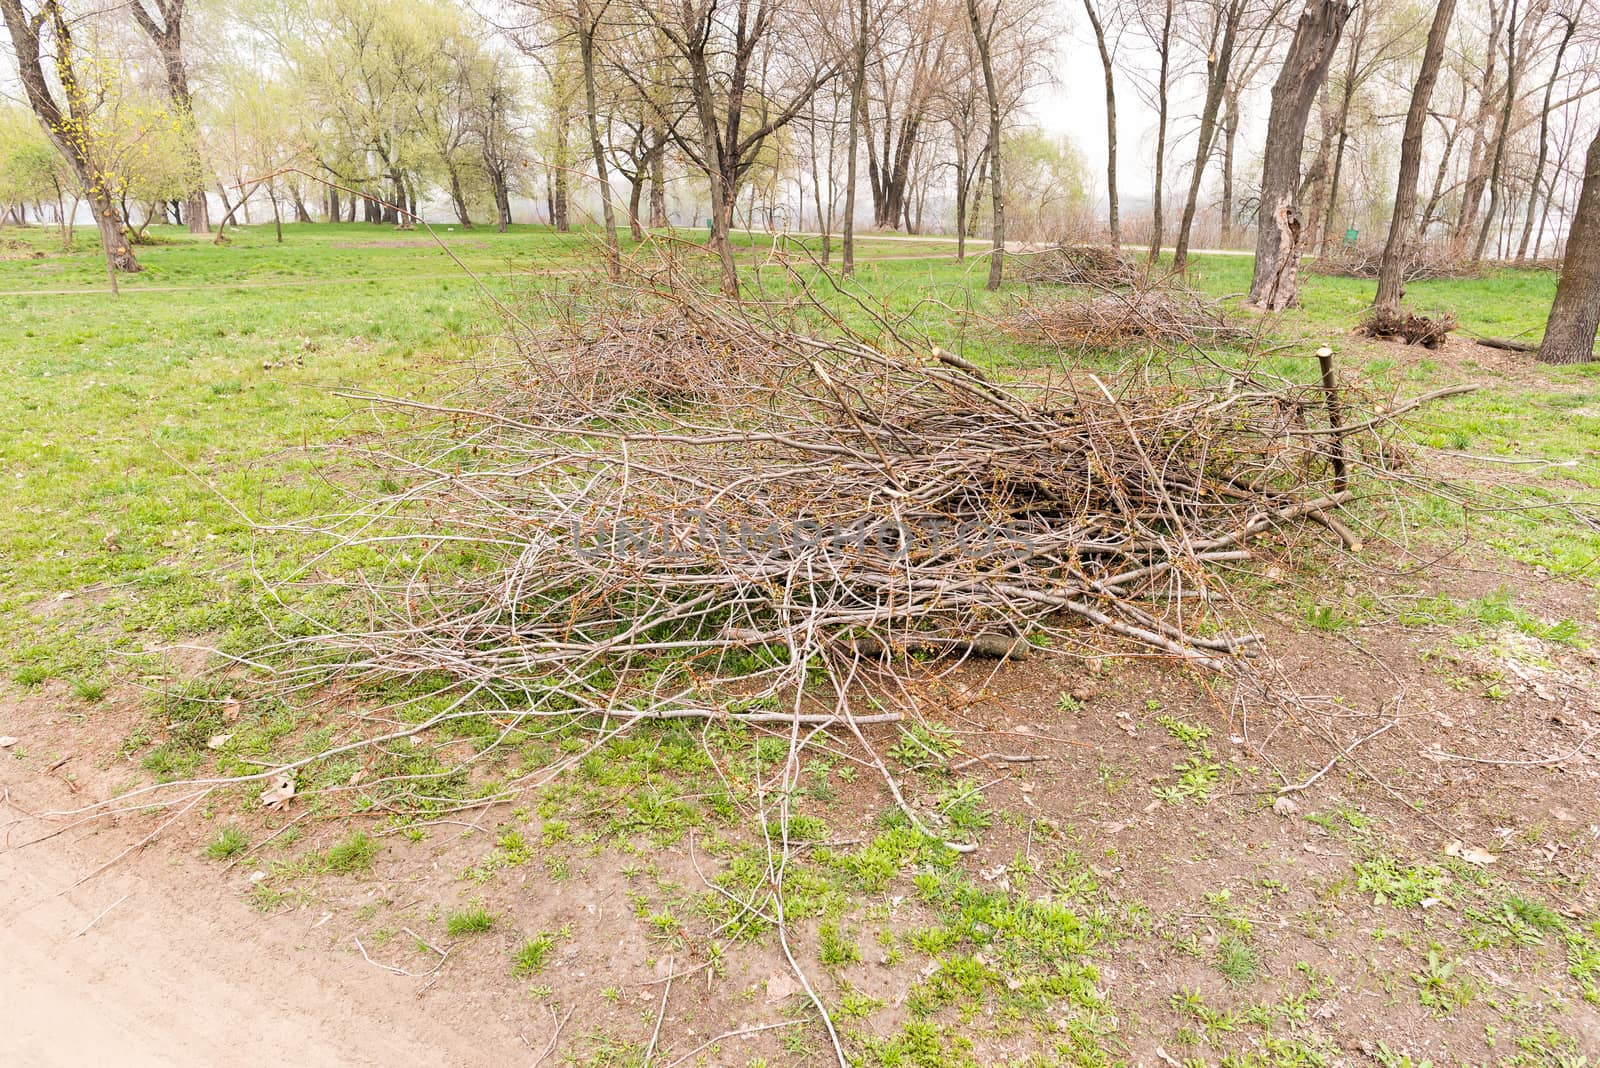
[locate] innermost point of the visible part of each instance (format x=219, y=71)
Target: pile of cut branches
x=862, y=505
x=1076, y=265
x=807, y=548
x=1387, y=324
x=1362, y=261
x=661, y=357
x=1169, y=315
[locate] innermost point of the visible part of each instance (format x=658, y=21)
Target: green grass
x=353, y=854
x=469, y=921
x=228, y=844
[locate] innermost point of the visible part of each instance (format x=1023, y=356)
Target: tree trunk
x=277, y=220
x=635, y=198
x=1316, y=38
x=1544, y=144
x=1217, y=79
x=586, y=30
x=1230, y=137
x=658, y=183
x=997, y=197
x=1316, y=180
x=1397, y=248
x=1156, y=225
x=858, y=83
x=963, y=180
x=1111, y=124
x=458, y=198
x=1574, y=317
x=559, y=184
x=1330, y=221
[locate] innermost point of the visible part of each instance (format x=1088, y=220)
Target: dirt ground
x=159, y=958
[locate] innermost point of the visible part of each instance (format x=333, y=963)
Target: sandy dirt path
x=181, y=972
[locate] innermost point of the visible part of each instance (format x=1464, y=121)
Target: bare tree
x=165, y=30
x=1569, y=334
x=586, y=18
x=1250, y=58
x=1481, y=147
x=1163, y=42
x=908, y=44
x=746, y=81
x=962, y=102
x=1396, y=249
x=66, y=120
x=1504, y=128
x=1111, y=122
x=1305, y=69
x=983, y=38
x=1544, y=138
x=1226, y=18
x=859, y=28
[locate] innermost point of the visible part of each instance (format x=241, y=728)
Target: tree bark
x=1544, y=144
x=1305, y=69
x=459, y=199
x=1111, y=124
x=1397, y=248
x=1230, y=137
x=559, y=198
x=1569, y=333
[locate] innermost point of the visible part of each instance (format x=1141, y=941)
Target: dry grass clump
x=1407, y=326
x=12, y=248
x=1076, y=265
x=1168, y=315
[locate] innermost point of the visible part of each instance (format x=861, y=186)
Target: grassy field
x=132, y=419
x=148, y=434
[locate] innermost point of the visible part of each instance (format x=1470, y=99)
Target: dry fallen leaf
x=1285, y=806
x=217, y=741
x=8, y=741
x=279, y=792
x=1470, y=854
x=779, y=986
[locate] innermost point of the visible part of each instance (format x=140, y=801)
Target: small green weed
x=531, y=957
